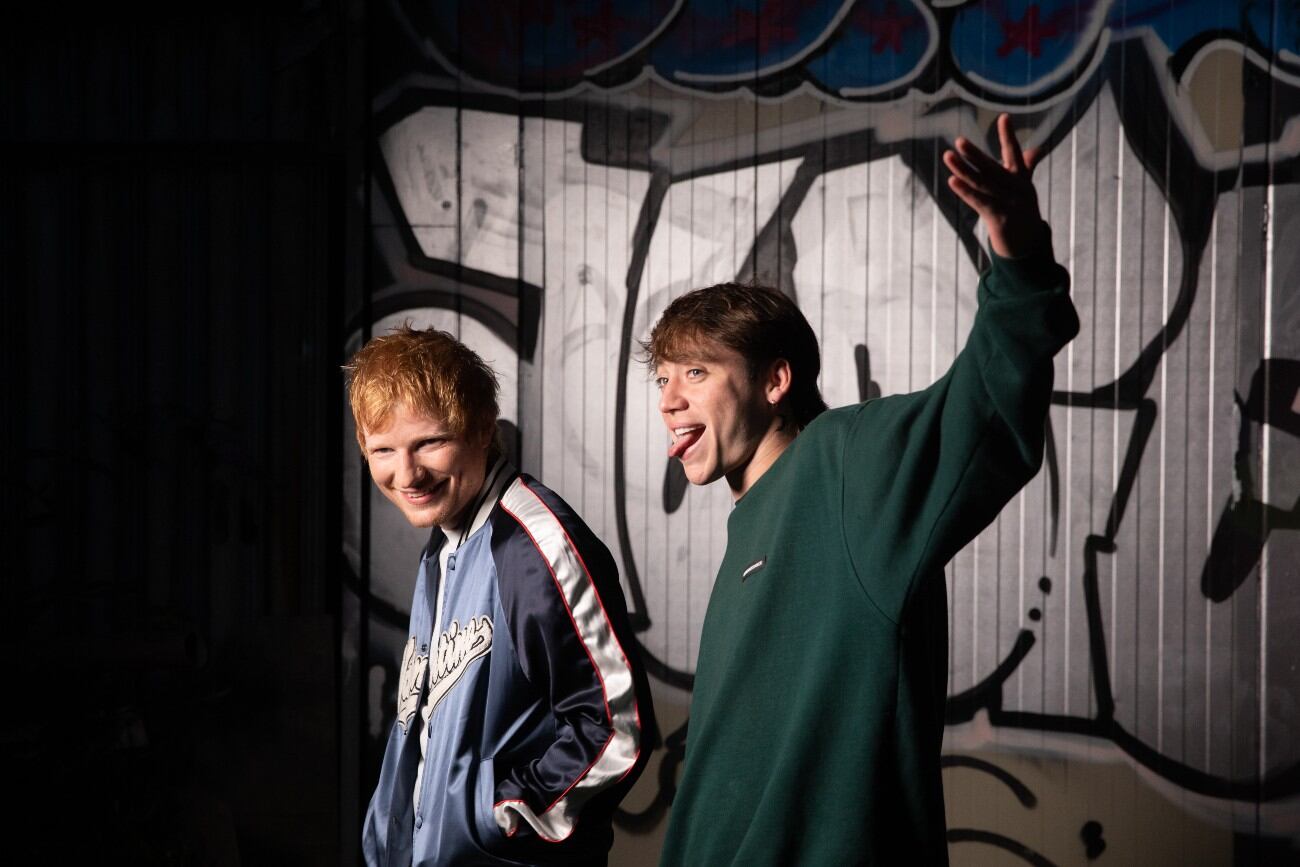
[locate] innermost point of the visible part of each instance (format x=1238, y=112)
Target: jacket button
x=418, y=821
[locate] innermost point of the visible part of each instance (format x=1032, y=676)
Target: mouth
x=683, y=438
x=423, y=496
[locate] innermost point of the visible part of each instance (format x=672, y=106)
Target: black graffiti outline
x=772, y=237
x=483, y=295
x=1141, y=121
x=1022, y=793
x=1006, y=844
x=1192, y=202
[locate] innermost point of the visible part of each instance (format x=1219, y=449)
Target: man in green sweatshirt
x=817, y=713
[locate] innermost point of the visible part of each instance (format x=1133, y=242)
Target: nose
x=409, y=472
x=670, y=397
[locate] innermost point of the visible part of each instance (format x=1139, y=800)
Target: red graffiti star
x=1028, y=33
x=775, y=24
x=886, y=29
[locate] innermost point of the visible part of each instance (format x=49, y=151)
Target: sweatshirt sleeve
x=925, y=472
x=565, y=613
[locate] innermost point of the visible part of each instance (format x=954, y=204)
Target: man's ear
x=778, y=381
x=486, y=438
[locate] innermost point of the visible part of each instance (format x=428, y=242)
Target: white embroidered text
x=457, y=648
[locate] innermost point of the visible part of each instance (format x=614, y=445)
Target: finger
x=963, y=171
x=978, y=159
x=978, y=201
x=986, y=175
x=1012, y=158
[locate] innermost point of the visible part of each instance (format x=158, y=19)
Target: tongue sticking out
x=684, y=442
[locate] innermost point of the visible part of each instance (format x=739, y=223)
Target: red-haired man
x=523, y=715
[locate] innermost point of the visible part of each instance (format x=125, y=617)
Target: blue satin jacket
x=541, y=717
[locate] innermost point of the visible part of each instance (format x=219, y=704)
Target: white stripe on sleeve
x=619, y=754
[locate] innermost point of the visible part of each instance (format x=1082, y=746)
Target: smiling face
x=429, y=473
x=722, y=421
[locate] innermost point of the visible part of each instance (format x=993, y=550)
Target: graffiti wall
x=545, y=177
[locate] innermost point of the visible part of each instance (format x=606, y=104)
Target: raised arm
x=925, y=472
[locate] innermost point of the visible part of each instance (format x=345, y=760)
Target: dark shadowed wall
x=173, y=263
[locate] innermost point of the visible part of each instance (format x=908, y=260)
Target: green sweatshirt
x=817, y=713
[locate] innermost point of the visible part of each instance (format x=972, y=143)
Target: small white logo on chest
x=752, y=568
x=457, y=648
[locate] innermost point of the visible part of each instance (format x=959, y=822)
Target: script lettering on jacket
x=457, y=648
x=409, y=683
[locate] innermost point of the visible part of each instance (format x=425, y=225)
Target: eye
x=694, y=373
x=660, y=382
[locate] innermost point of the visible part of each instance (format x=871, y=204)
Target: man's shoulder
x=869, y=430
x=526, y=493
x=841, y=422
x=538, y=516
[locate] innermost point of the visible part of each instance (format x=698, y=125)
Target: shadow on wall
x=1121, y=627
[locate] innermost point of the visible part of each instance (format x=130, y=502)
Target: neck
x=774, y=442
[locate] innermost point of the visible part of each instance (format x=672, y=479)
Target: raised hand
x=1003, y=193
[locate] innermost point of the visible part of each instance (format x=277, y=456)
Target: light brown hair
x=759, y=323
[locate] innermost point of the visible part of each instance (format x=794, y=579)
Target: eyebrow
x=441, y=434
x=692, y=360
